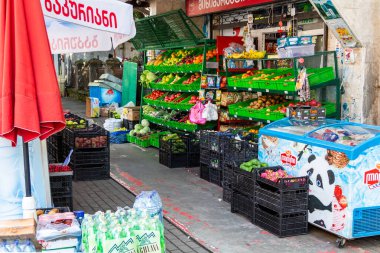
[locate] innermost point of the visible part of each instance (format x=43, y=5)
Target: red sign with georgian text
x=201, y=7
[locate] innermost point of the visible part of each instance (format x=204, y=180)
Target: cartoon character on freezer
x=327, y=204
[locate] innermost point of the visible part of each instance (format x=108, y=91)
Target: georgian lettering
x=82, y=12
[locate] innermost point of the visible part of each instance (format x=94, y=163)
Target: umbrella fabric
x=30, y=103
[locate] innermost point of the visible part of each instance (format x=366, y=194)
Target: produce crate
x=212, y=140
x=172, y=160
x=193, y=160
x=131, y=138
x=91, y=172
x=228, y=175
x=239, y=150
x=118, y=137
x=75, y=118
x=87, y=138
x=244, y=182
x=282, y=225
x=243, y=205
x=155, y=138
x=63, y=200
x=321, y=75
x=227, y=194
x=289, y=195
x=55, y=155
x=284, y=184
x=215, y=175
x=88, y=157
x=204, y=172
x=234, y=108
x=144, y=143
x=61, y=183
x=132, y=124
x=173, y=146
x=205, y=156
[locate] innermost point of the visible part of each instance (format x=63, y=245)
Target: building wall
x=361, y=79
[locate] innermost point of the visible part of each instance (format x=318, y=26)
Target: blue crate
x=118, y=137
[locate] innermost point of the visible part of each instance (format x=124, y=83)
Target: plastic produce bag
x=150, y=202
x=54, y=226
x=210, y=112
x=196, y=114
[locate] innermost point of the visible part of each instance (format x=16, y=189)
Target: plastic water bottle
x=29, y=247
x=16, y=247
x=3, y=247
x=151, y=202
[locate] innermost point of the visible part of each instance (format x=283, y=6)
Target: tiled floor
x=91, y=196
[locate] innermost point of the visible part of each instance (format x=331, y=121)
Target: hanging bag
x=210, y=112
x=196, y=114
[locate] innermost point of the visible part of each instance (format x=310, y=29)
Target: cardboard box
x=92, y=107
x=17, y=229
x=60, y=245
x=132, y=113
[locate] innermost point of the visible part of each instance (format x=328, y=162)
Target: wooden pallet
x=18, y=229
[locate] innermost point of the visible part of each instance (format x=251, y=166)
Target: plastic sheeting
x=12, y=180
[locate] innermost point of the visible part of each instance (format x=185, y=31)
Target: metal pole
x=28, y=190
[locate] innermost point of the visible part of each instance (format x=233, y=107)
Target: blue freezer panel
x=366, y=222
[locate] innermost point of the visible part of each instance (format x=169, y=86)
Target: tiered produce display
x=277, y=90
x=174, y=77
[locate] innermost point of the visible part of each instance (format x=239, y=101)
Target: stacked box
x=281, y=207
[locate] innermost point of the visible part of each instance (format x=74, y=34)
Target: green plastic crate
x=144, y=143
x=322, y=75
x=155, y=138
x=131, y=139
x=233, y=109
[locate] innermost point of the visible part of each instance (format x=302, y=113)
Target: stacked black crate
x=204, y=155
x=54, y=148
x=193, y=150
x=61, y=188
x=90, y=159
x=173, y=151
x=281, y=207
x=243, y=183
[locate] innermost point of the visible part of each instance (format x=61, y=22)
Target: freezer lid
x=350, y=138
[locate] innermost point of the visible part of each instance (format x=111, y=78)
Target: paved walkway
x=196, y=207
x=92, y=196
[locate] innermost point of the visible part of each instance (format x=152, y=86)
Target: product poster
x=342, y=32
x=335, y=23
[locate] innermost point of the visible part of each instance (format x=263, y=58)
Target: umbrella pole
x=28, y=190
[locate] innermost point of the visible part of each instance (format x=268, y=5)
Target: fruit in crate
x=251, y=54
x=192, y=78
x=155, y=94
x=176, y=78
x=252, y=164
x=170, y=98
x=247, y=74
x=193, y=99
x=312, y=102
x=274, y=176
x=180, y=100
x=267, y=100
x=281, y=108
x=211, y=54
x=262, y=77
x=280, y=77
x=166, y=78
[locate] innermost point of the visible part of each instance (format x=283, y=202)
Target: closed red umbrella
x=30, y=103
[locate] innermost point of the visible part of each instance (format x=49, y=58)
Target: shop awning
x=169, y=30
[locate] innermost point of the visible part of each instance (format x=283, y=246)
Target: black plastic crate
x=227, y=194
x=283, y=202
x=213, y=140
x=88, y=157
x=172, y=160
x=216, y=176
x=228, y=174
x=91, y=172
x=92, y=137
x=204, y=172
x=284, y=184
x=130, y=125
x=282, y=225
x=239, y=150
x=203, y=139
x=216, y=160
x=204, y=156
x=193, y=144
x=174, y=146
x=193, y=160
x=61, y=183
x=244, y=181
x=243, y=205
x=64, y=200
x=76, y=118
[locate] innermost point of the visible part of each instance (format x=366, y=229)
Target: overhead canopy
x=168, y=30
x=87, y=25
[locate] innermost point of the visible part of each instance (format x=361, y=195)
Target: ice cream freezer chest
x=342, y=161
